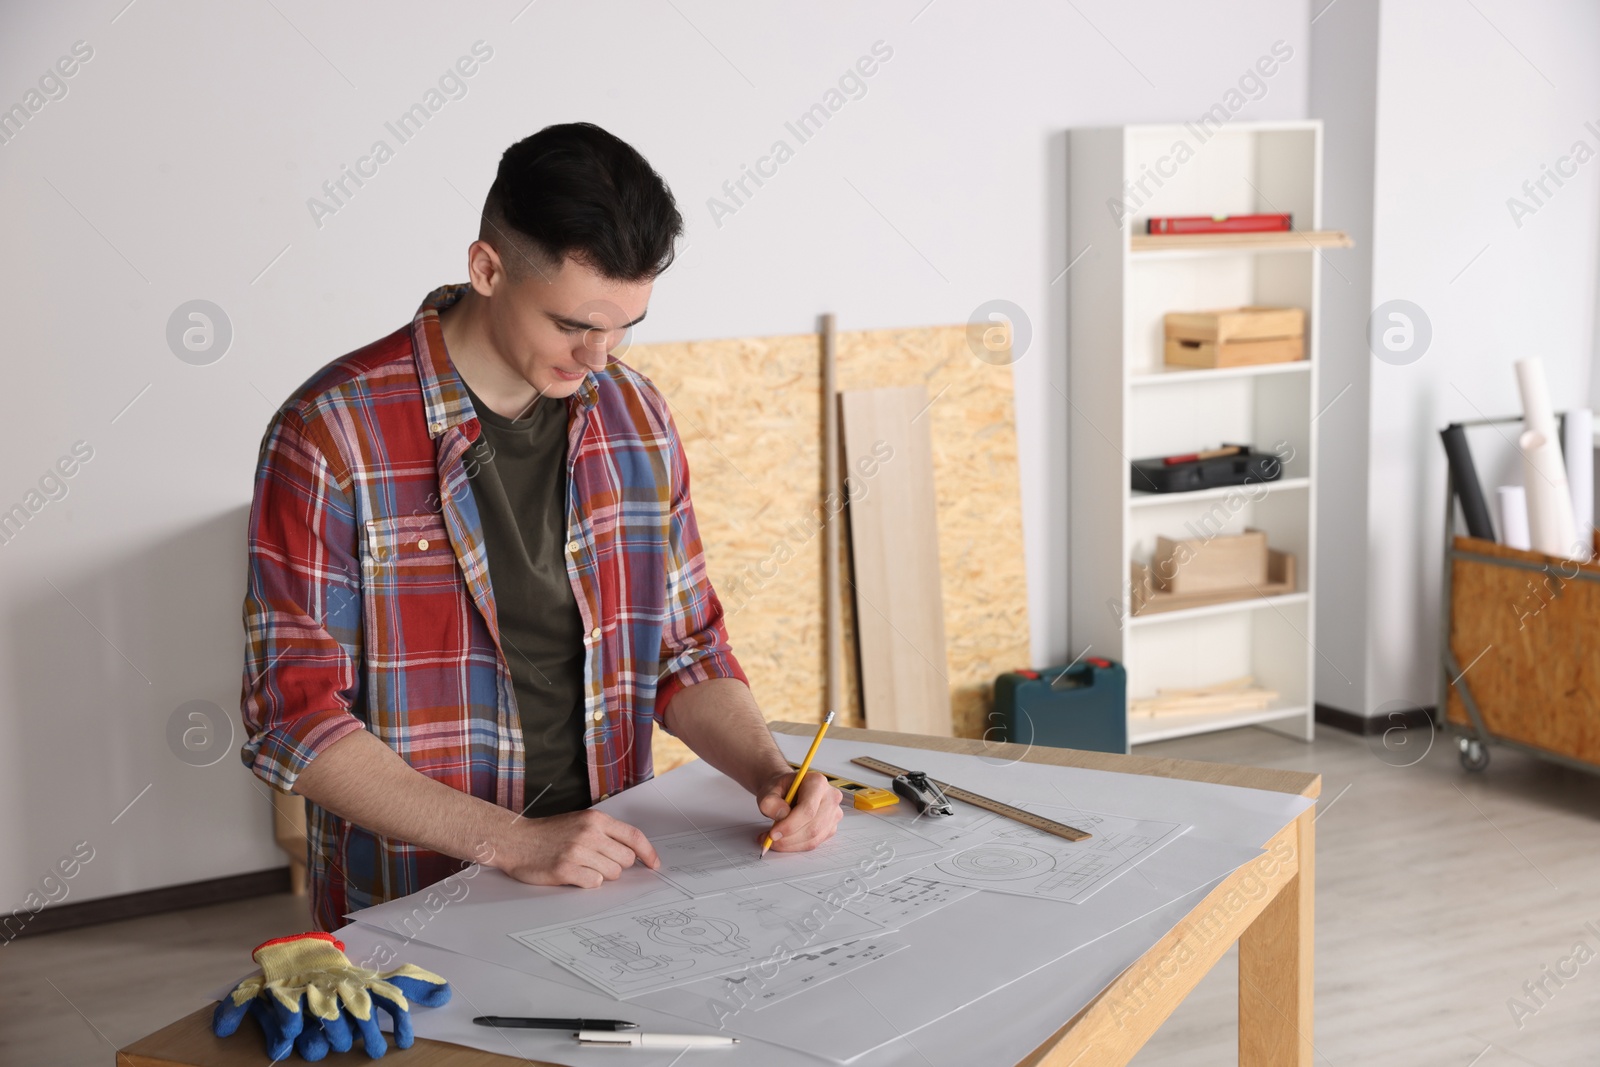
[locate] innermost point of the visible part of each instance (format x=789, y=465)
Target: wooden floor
x=1439, y=894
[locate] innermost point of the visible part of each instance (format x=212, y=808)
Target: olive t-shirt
x=518, y=472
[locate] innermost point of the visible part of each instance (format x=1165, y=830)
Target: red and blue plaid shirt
x=369, y=606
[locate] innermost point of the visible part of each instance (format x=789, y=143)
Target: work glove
x=310, y=998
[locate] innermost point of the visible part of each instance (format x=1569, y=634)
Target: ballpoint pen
x=648, y=1040
x=534, y=1023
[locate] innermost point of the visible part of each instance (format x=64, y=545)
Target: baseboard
x=1369, y=725
x=147, y=902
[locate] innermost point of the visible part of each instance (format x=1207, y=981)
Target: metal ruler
x=1026, y=818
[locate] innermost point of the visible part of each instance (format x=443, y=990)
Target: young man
x=476, y=583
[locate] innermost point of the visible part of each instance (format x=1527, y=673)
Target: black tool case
x=1241, y=468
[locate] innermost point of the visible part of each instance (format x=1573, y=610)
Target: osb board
x=1531, y=634
x=749, y=413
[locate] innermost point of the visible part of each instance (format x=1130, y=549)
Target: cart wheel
x=1474, y=754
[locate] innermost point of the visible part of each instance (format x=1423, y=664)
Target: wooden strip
x=1245, y=242
x=1300, y=783
x=978, y=800
x=894, y=540
x=833, y=633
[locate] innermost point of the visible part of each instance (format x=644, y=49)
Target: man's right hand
x=582, y=848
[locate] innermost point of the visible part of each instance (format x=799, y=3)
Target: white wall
x=1471, y=101
x=178, y=166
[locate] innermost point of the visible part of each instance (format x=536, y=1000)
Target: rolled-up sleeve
x=302, y=607
x=694, y=636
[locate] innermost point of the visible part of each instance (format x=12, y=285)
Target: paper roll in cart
x=1519, y=656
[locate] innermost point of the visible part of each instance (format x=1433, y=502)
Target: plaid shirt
x=369, y=606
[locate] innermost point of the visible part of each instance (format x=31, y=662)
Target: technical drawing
x=893, y=903
x=1003, y=862
x=688, y=941
x=624, y=956
x=701, y=862
x=681, y=927
x=1021, y=860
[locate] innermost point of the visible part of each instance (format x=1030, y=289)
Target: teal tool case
x=1082, y=705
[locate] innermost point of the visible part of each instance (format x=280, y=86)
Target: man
x=476, y=582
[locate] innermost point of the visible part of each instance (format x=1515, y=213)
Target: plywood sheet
x=894, y=542
x=749, y=413
x=1525, y=640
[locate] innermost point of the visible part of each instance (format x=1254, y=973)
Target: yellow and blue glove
x=309, y=998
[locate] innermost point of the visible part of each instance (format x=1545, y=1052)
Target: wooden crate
x=1206, y=565
x=1182, y=353
x=1526, y=643
x=1146, y=599
x=1235, y=324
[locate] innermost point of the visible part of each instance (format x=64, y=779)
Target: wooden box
x=1148, y=600
x=1235, y=337
x=1206, y=565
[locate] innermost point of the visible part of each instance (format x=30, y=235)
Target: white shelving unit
x=1127, y=405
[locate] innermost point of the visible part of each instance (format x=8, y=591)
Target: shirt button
x=437, y=427
x=422, y=545
x=599, y=716
x=595, y=633
x=572, y=546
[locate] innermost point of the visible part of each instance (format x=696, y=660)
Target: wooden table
x=1266, y=906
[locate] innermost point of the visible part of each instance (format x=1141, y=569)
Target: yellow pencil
x=805, y=765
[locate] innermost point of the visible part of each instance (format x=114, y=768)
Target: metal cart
x=1474, y=737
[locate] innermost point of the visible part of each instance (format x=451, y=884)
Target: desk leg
x=1275, y=972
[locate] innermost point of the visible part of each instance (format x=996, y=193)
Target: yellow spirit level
x=864, y=797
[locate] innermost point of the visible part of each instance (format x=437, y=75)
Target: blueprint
x=729, y=857
x=639, y=951
x=893, y=903
x=1019, y=859
x=762, y=985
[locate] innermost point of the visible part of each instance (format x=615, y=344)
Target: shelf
x=1142, y=729
x=1221, y=492
x=1193, y=375
x=1220, y=243
x=1253, y=603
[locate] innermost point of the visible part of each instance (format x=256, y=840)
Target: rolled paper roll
x=1513, y=505
x=1464, y=476
x=1577, y=447
x=1536, y=412
x=1550, y=526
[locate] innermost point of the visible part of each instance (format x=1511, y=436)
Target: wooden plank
x=833, y=623
x=894, y=541
x=1281, y=240
x=1275, y=967
x=1301, y=783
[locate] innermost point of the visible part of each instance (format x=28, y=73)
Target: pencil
x=805, y=765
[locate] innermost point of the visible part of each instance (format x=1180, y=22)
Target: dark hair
x=576, y=190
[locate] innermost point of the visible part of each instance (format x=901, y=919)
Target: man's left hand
x=811, y=820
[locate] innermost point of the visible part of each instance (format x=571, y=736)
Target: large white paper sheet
x=472, y=912
x=960, y=955
x=892, y=903
x=1019, y=859
x=801, y=972
x=1025, y=963
x=729, y=857
x=644, y=950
